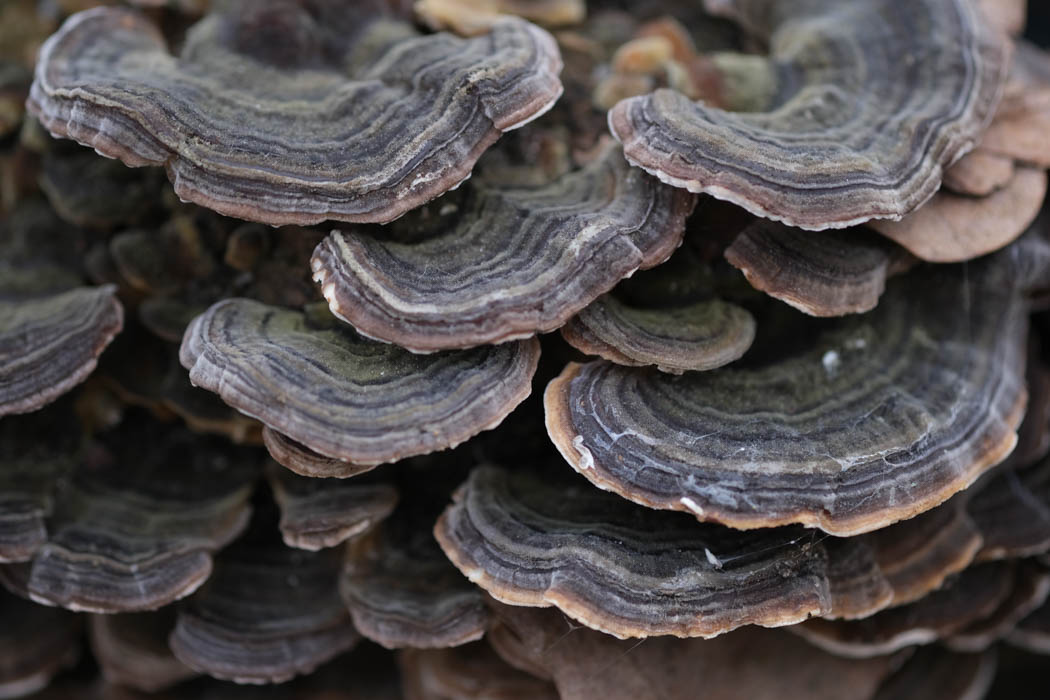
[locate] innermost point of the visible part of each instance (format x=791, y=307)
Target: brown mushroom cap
x=632, y=572
x=502, y=261
x=880, y=419
x=749, y=664
x=36, y=643
x=347, y=397
x=476, y=16
x=695, y=337
x=1021, y=122
x=403, y=592
x=132, y=650
x=316, y=514
x=267, y=614
x=1033, y=632
x=955, y=228
x=136, y=525
x=819, y=273
x=470, y=672
x=972, y=596
x=51, y=343
x=851, y=131
x=283, y=113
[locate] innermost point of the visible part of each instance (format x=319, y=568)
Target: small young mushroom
x=317, y=513
x=502, y=261
x=868, y=105
x=830, y=273
x=286, y=112
x=348, y=397
x=403, y=592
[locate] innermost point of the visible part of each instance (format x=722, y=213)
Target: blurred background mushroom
x=854, y=423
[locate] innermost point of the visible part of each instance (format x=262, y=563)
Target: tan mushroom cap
x=1021, y=122
x=979, y=173
x=502, y=261
x=347, y=397
x=878, y=420
x=350, y=115
x=851, y=131
x=135, y=526
x=268, y=613
x=316, y=514
x=132, y=650
x=403, y=592
x=955, y=228
x=831, y=273
x=36, y=643
x=472, y=17
x=749, y=664
x=470, y=672
x=51, y=343
x=694, y=337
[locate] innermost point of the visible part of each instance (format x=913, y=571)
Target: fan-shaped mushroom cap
x=954, y=228
x=132, y=650
x=318, y=513
x=1006, y=15
x=869, y=105
x=880, y=419
x=347, y=397
x=135, y=527
x=699, y=336
x=476, y=16
x=975, y=594
x=634, y=572
x=284, y=113
x=505, y=261
x=470, y=672
x=749, y=664
x=830, y=273
x=51, y=343
x=935, y=673
x=36, y=642
x=403, y=592
x=267, y=614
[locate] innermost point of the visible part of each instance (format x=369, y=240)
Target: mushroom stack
x=784, y=261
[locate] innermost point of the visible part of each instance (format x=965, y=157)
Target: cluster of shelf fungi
x=653, y=349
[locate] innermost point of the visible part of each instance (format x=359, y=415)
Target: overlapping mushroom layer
x=876, y=421
x=286, y=112
x=504, y=261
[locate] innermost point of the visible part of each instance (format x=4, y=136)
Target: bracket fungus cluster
x=524, y=349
